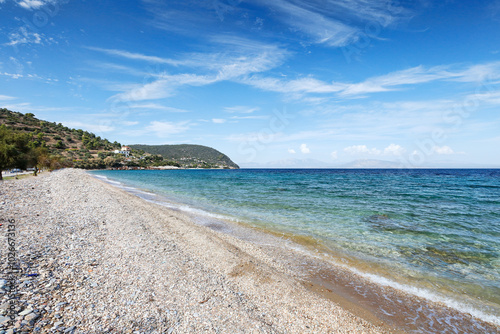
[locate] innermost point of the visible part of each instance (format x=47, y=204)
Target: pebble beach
x=96, y=259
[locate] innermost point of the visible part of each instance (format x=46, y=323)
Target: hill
x=189, y=155
x=70, y=147
x=65, y=147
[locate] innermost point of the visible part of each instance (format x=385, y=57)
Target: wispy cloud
x=301, y=86
x=166, y=129
x=241, y=57
x=154, y=106
x=321, y=28
x=25, y=107
x=241, y=109
x=134, y=56
x=218, y=120
x=95, y=128
x=331, y=23
x=162, y=88
x=235, y=56
x=5, y=98
x=23, y=36
x=389, y=82
x=251, y=117
x=32, y=4
x=335, y=23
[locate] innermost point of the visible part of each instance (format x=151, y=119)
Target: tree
x=40, y=158
x=59, y=144
x=14, y=149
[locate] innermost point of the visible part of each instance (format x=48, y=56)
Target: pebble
x=26, y=311
x=132, y=275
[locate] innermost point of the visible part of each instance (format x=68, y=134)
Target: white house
x=125, y=150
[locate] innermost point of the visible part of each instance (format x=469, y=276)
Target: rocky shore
x=95, y=259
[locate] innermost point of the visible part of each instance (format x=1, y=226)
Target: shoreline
x=103, y=260
x=372, y=298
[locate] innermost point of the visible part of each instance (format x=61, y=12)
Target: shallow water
x=432, y=233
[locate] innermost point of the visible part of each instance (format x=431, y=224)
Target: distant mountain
x=190, y=155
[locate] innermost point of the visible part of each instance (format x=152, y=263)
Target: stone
x=26, y=312
x=4, y=319
x=31, y=318
x=57, y=324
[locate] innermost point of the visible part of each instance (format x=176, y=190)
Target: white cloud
x=155, y=106
x=162, y=88
x=394, y=149
x=322, y=29
x=95, y=128
x=13, y=75
x=291, y=151
x=383, y=83
x=25, y=107
x=361, y=149
x=492, y=97
x=335, y=23
x=5, y=97
x=23, y=36
x=166, y=129
x=238, y=56
x=136, y=56
x=250, y=117
x=479, y=72
x=302, y=85
x=241, y=57
x=334, y=155
x=241, y=109
x=304, y=149
x=32, y=4
x=156, y=90
x=443, y=150
x=218, y=120
x=129, y=123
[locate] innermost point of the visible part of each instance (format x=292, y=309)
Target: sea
x=426, y=238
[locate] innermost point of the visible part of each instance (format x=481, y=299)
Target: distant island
x=26, y=141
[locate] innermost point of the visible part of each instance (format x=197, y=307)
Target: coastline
x=364, y=288
x=108, y=261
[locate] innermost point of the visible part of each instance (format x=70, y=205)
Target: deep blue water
x=433, y=229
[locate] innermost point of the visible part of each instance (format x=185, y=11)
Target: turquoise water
x=438, y=230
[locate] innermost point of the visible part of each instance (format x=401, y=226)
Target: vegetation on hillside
x=26, y=141
x=194, y=156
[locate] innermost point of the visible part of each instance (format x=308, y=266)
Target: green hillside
x=56, y=146
x=189, y=155
x=62, y=146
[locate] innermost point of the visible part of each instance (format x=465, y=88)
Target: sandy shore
x=109, y=262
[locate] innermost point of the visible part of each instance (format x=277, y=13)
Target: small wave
x=429, y=295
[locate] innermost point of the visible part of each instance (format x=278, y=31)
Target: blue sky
x=415, y=82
